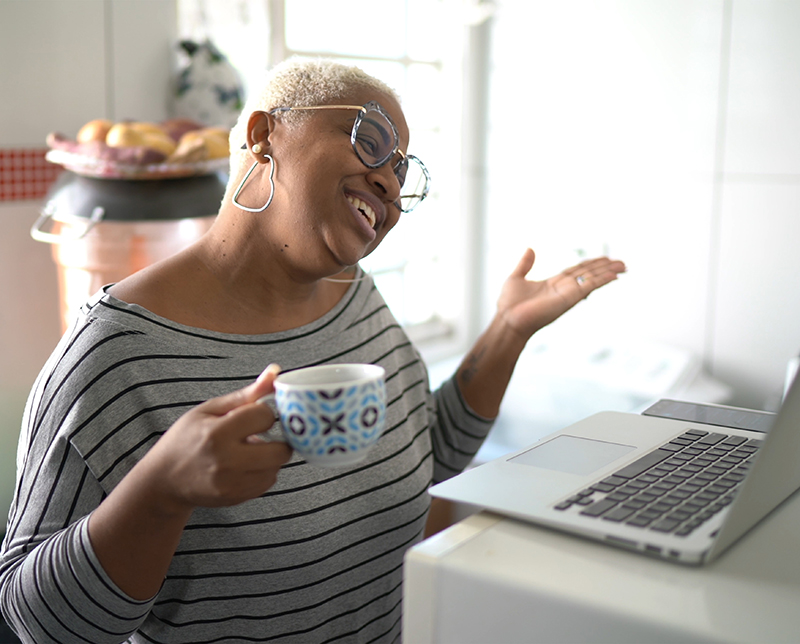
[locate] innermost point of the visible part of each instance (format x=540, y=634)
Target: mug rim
x=369, y=372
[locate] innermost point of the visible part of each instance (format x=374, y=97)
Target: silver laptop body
x=543, y=482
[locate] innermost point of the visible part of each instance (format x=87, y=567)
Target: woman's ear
x=259, y=131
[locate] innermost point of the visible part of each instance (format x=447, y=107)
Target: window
x=415, y=47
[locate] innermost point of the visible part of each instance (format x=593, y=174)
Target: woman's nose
x=386, y=181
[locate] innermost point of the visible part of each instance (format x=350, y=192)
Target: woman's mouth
x=365, y=209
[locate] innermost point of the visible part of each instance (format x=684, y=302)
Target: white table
x=493, y=580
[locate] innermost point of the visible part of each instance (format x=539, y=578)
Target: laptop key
x=634, y=504
x=643, y=464
x=618, y=514
x=663, y=469
x=665, y=525
x=646, y=478
x=613, y=480
x=598, y=507
x=712, y=439
x=735, y=440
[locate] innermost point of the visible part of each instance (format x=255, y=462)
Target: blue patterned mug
x=332, y=414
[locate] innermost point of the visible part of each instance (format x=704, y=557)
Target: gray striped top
x=318, y=558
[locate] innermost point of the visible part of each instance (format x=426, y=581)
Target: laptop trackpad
x=572, y=455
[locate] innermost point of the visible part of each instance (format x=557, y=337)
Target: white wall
x=64, y=62
x=668, y=132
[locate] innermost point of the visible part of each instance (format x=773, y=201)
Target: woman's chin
x=347, y=257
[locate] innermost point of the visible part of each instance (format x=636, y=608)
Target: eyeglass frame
x=363, y=109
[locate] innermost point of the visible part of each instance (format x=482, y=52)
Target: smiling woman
x=146, y=505
x=146, y=498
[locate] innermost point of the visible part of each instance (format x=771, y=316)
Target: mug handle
x=274, y=434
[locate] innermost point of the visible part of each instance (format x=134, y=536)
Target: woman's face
x=334, y=209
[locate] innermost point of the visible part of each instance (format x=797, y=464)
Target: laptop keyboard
x=673, y=489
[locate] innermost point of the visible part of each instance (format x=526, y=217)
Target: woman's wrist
x=485, y=372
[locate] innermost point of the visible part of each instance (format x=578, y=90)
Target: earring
x=256, y=149
x=271, y=186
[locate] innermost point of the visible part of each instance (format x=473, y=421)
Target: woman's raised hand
x=527, y=305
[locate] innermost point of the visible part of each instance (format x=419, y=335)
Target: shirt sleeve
x=52, y=586
x=457, y=432
x=58, y=592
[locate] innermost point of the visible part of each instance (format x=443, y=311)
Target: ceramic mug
x=330, y=414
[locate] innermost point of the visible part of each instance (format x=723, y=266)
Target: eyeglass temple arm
x=276, y=110
x=361, y=108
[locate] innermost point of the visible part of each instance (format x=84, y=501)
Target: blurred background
x=662, y=132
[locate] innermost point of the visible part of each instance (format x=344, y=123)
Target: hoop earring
x=271, y=186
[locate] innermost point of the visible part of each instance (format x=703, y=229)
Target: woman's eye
x=368, y=144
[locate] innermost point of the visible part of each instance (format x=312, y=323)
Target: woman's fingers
x=207, y=454
x=594, y=273
x=525, y=264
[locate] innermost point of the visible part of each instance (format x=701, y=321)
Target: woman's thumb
x=249, y=394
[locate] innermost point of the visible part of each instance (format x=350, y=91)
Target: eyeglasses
x=375, y=141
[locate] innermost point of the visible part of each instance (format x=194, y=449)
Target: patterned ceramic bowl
x=332, y=414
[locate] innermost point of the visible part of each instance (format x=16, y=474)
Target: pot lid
x=74, y=195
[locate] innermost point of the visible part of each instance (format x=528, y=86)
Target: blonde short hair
x=299, y=82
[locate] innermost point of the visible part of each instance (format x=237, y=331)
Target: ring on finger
x=581, y=280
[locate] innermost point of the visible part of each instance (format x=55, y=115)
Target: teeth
x=365, y=209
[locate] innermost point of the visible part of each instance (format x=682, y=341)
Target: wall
x=665, y=132
x=64, y=63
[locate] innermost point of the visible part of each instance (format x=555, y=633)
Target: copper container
x=103, y=230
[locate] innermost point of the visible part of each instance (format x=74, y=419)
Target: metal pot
x=103, y=230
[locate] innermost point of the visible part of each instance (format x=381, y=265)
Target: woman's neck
x=208, y=286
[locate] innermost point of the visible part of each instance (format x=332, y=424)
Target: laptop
x=678, y=489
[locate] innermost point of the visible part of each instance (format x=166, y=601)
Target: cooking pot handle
x=78, y=226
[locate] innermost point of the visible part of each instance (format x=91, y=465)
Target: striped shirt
x=318, y=558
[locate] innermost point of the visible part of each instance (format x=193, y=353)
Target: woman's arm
x=69, y=551
x=523, y=308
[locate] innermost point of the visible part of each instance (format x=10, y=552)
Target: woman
x=121, y=529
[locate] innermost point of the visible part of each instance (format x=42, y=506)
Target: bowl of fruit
x=141, y=150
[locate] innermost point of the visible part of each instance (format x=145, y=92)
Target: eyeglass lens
x=374, y=138
x=414, y=183
x=375, y=142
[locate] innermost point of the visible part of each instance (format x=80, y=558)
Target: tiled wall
x=668, y=133
x=25, y=174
